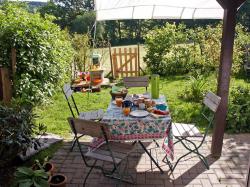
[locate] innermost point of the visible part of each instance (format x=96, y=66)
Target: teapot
x=127, y=104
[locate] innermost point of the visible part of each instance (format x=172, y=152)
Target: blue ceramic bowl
x=161, y=107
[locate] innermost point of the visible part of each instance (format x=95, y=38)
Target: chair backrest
x=141, y=81
x=212, y=101
x=68, y=92
x=87, y=127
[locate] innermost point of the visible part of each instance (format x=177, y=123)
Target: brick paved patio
x=229, y=170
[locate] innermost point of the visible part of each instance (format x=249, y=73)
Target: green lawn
x=55, y=115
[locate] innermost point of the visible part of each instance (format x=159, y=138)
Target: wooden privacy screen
x=125, y=62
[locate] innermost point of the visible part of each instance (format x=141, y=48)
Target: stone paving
x=229, y=170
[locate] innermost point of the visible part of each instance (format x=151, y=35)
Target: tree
x=44, y=52
x=66, y=11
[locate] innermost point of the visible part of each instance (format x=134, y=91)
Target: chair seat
x=185, y=130
x=92, y=115
x=119, y=150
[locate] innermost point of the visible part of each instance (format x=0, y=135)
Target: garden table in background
x=123, y=128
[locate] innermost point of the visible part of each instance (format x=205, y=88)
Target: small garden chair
x=184, y=132
x=91, y=115
x=110, y=152
x=141, y=81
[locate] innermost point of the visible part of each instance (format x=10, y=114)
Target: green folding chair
x=184, y=133
x=110, y=152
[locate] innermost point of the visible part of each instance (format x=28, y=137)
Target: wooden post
x=111, y=61
x=138, y=55
x=5, y=85
x=226, y=58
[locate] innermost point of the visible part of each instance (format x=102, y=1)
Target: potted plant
x=17, y=130
x=58, y=180
x=31, y=178
x=45, y=165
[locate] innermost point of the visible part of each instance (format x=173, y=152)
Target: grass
x=55, y=114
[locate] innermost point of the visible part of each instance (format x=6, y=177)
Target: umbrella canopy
x=157, y=9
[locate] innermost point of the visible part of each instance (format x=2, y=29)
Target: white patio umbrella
x=157, y=9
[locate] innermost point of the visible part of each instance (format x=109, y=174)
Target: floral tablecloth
x=130, y=128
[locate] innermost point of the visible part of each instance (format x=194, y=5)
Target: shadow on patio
x=229, y=170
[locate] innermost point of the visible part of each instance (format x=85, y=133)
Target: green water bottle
x=155, y=80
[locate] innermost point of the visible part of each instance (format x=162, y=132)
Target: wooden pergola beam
x=229, y=22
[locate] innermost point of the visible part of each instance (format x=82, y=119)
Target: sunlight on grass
x=55, y=114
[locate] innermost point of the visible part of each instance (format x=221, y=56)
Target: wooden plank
x=131, y=64
x=139, y=79
x=111, y=61
x=212, y=101
x=67, y=90
x=87, y=127
x=92, y=115
x=6, y=87
x=138, y=56
x=125, y=61
x=136, y=64
x=192, y=130
x=136, y=81
x=178, y=130
x=115, y=63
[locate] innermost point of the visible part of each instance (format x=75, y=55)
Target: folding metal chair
x=90, y=115
x=109, y=152
x=184, y=132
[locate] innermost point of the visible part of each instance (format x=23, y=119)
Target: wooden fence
x=125, y=62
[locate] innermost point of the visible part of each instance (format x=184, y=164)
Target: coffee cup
x=141, y=106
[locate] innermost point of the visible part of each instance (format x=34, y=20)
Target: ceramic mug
x=141, y=106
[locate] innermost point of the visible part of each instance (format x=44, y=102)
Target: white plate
x=139, y=113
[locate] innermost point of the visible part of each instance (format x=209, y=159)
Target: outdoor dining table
x=123, y=128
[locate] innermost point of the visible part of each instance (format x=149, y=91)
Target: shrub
x=195, y=89
x=238, y=118
x=175, y=49
x=17, y=130
x=81, y=44
x=166, y=53
x=44, y=52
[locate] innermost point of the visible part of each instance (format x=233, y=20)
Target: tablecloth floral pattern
x=129, y=128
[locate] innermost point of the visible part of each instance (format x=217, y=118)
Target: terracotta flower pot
x=49, y=167
x=58, y=180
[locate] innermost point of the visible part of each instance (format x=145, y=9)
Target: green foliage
x=83, y=24
x=17, y=130
x=177, y=50
x=238, y=118
x=26, y=177
x=81, y=44
x=166, y=53
x=195, y=89
x=66, y=11
x=44, y=52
